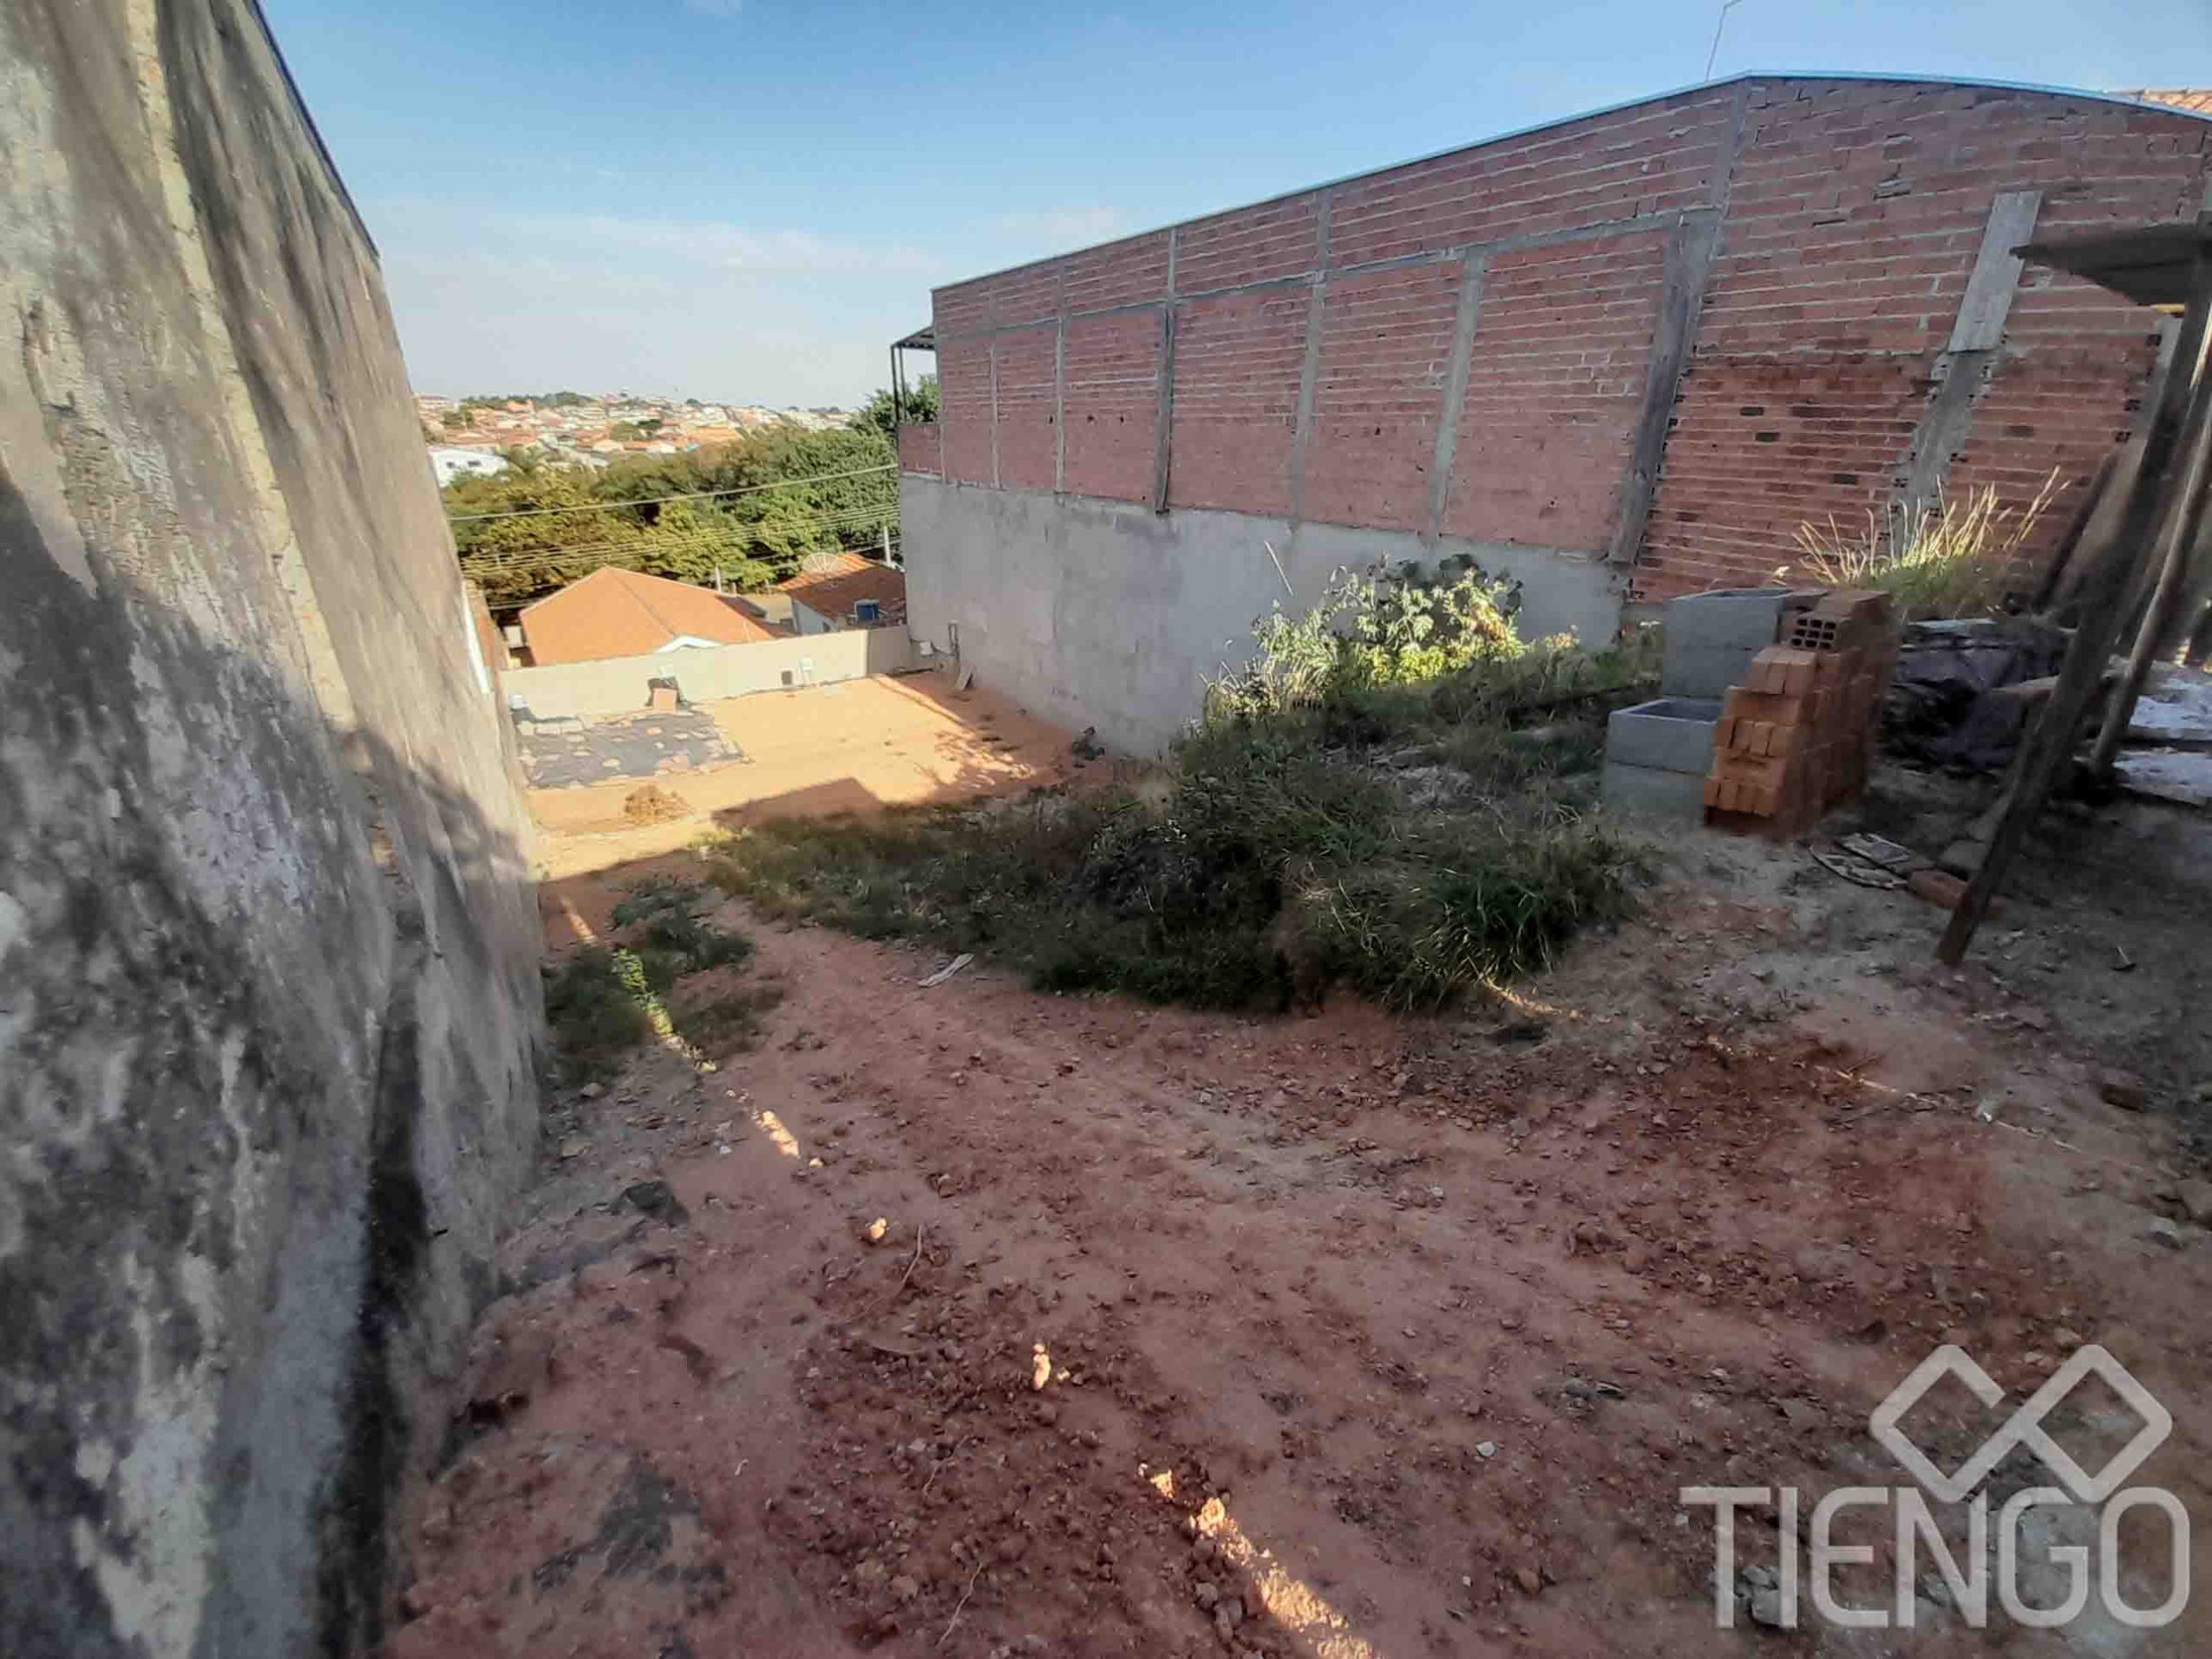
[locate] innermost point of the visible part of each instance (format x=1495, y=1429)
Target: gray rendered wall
x=623, y=685
x=1106, y=615
x=268, y=1004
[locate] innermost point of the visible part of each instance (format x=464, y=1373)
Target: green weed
x=1395, y=796
x=606, y=999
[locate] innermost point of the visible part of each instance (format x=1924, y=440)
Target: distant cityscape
x=471, y=434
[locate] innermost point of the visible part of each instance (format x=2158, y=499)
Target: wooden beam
x=1455, y=391
x=2085, y=509
x=2049, y=741
x=1689, y=266
x=1942, y=433
x=1979, y=326
x=2197, y=597
x=1970, y=356
x=2177, y=541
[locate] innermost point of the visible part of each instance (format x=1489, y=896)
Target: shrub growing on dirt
x=1394, y=795
x=606, y=999
x=594, y=1007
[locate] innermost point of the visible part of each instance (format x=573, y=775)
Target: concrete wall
x=1658, y=338
x=621, y=685
x=1101, y=613
x=268, y=1003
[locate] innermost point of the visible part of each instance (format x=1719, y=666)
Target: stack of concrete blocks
x=1797, y=737
x=1657, y=753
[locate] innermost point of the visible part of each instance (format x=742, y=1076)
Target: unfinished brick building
x=1618, y=358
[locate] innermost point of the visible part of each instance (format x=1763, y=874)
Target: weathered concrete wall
x=621, y=685
x=1101, y=613
x=268, y=1009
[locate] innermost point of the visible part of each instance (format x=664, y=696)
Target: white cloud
x=495, y=296
x=692, y=308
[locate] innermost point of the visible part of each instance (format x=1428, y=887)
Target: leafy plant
x=594, y=1007
x=606, y=999
x=1387, y=626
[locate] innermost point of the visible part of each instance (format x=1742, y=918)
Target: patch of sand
x=814, y=751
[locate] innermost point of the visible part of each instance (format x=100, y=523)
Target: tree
x=453, y=419
x=755, y=509
x=920, y=405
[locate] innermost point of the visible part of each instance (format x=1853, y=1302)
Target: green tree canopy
x=921, y=405
x=754, y=509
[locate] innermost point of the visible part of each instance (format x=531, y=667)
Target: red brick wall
x=1652, y=158
x=964, y=382
x=921, y=447
x=1253, y=244
x=2077, y=360
x=1237, y=358
x=1854, y=215
x=1762, y=444
x=1028, y=439
x=1385, y=340
x=1554, y=390
x=1850, y=214
x=1113, y=404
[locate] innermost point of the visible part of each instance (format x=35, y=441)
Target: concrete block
x=1668, y=733
x=1653, y=791
x=1711, y=637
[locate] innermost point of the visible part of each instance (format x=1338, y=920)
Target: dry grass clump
x=1939, y=560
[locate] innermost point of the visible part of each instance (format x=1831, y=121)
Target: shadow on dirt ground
x=964, y=1320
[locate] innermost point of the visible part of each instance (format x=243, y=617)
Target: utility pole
x=1718, y=23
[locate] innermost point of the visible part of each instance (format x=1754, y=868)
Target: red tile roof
x=832, y=588
x=2196, y=101
x=612, y=613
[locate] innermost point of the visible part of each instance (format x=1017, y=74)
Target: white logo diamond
x=2024, y=1428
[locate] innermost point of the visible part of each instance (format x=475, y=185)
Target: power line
x=654, y=501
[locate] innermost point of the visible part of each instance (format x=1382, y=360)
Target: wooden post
x=1472, y=270
x=2177, y=540
x=2084, y=510
x=2049, y=743
x=2195, y=597
x=1690, y=253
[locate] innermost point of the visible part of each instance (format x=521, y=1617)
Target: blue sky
x=749, y=199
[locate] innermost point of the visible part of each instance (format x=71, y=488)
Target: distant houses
x=846, y=591
x=452, y=460
x=614, y=613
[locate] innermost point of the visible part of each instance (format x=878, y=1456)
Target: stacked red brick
x=1796, y=738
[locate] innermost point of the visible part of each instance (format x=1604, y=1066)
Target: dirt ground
x=884, y=741
x=1339, y=1336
